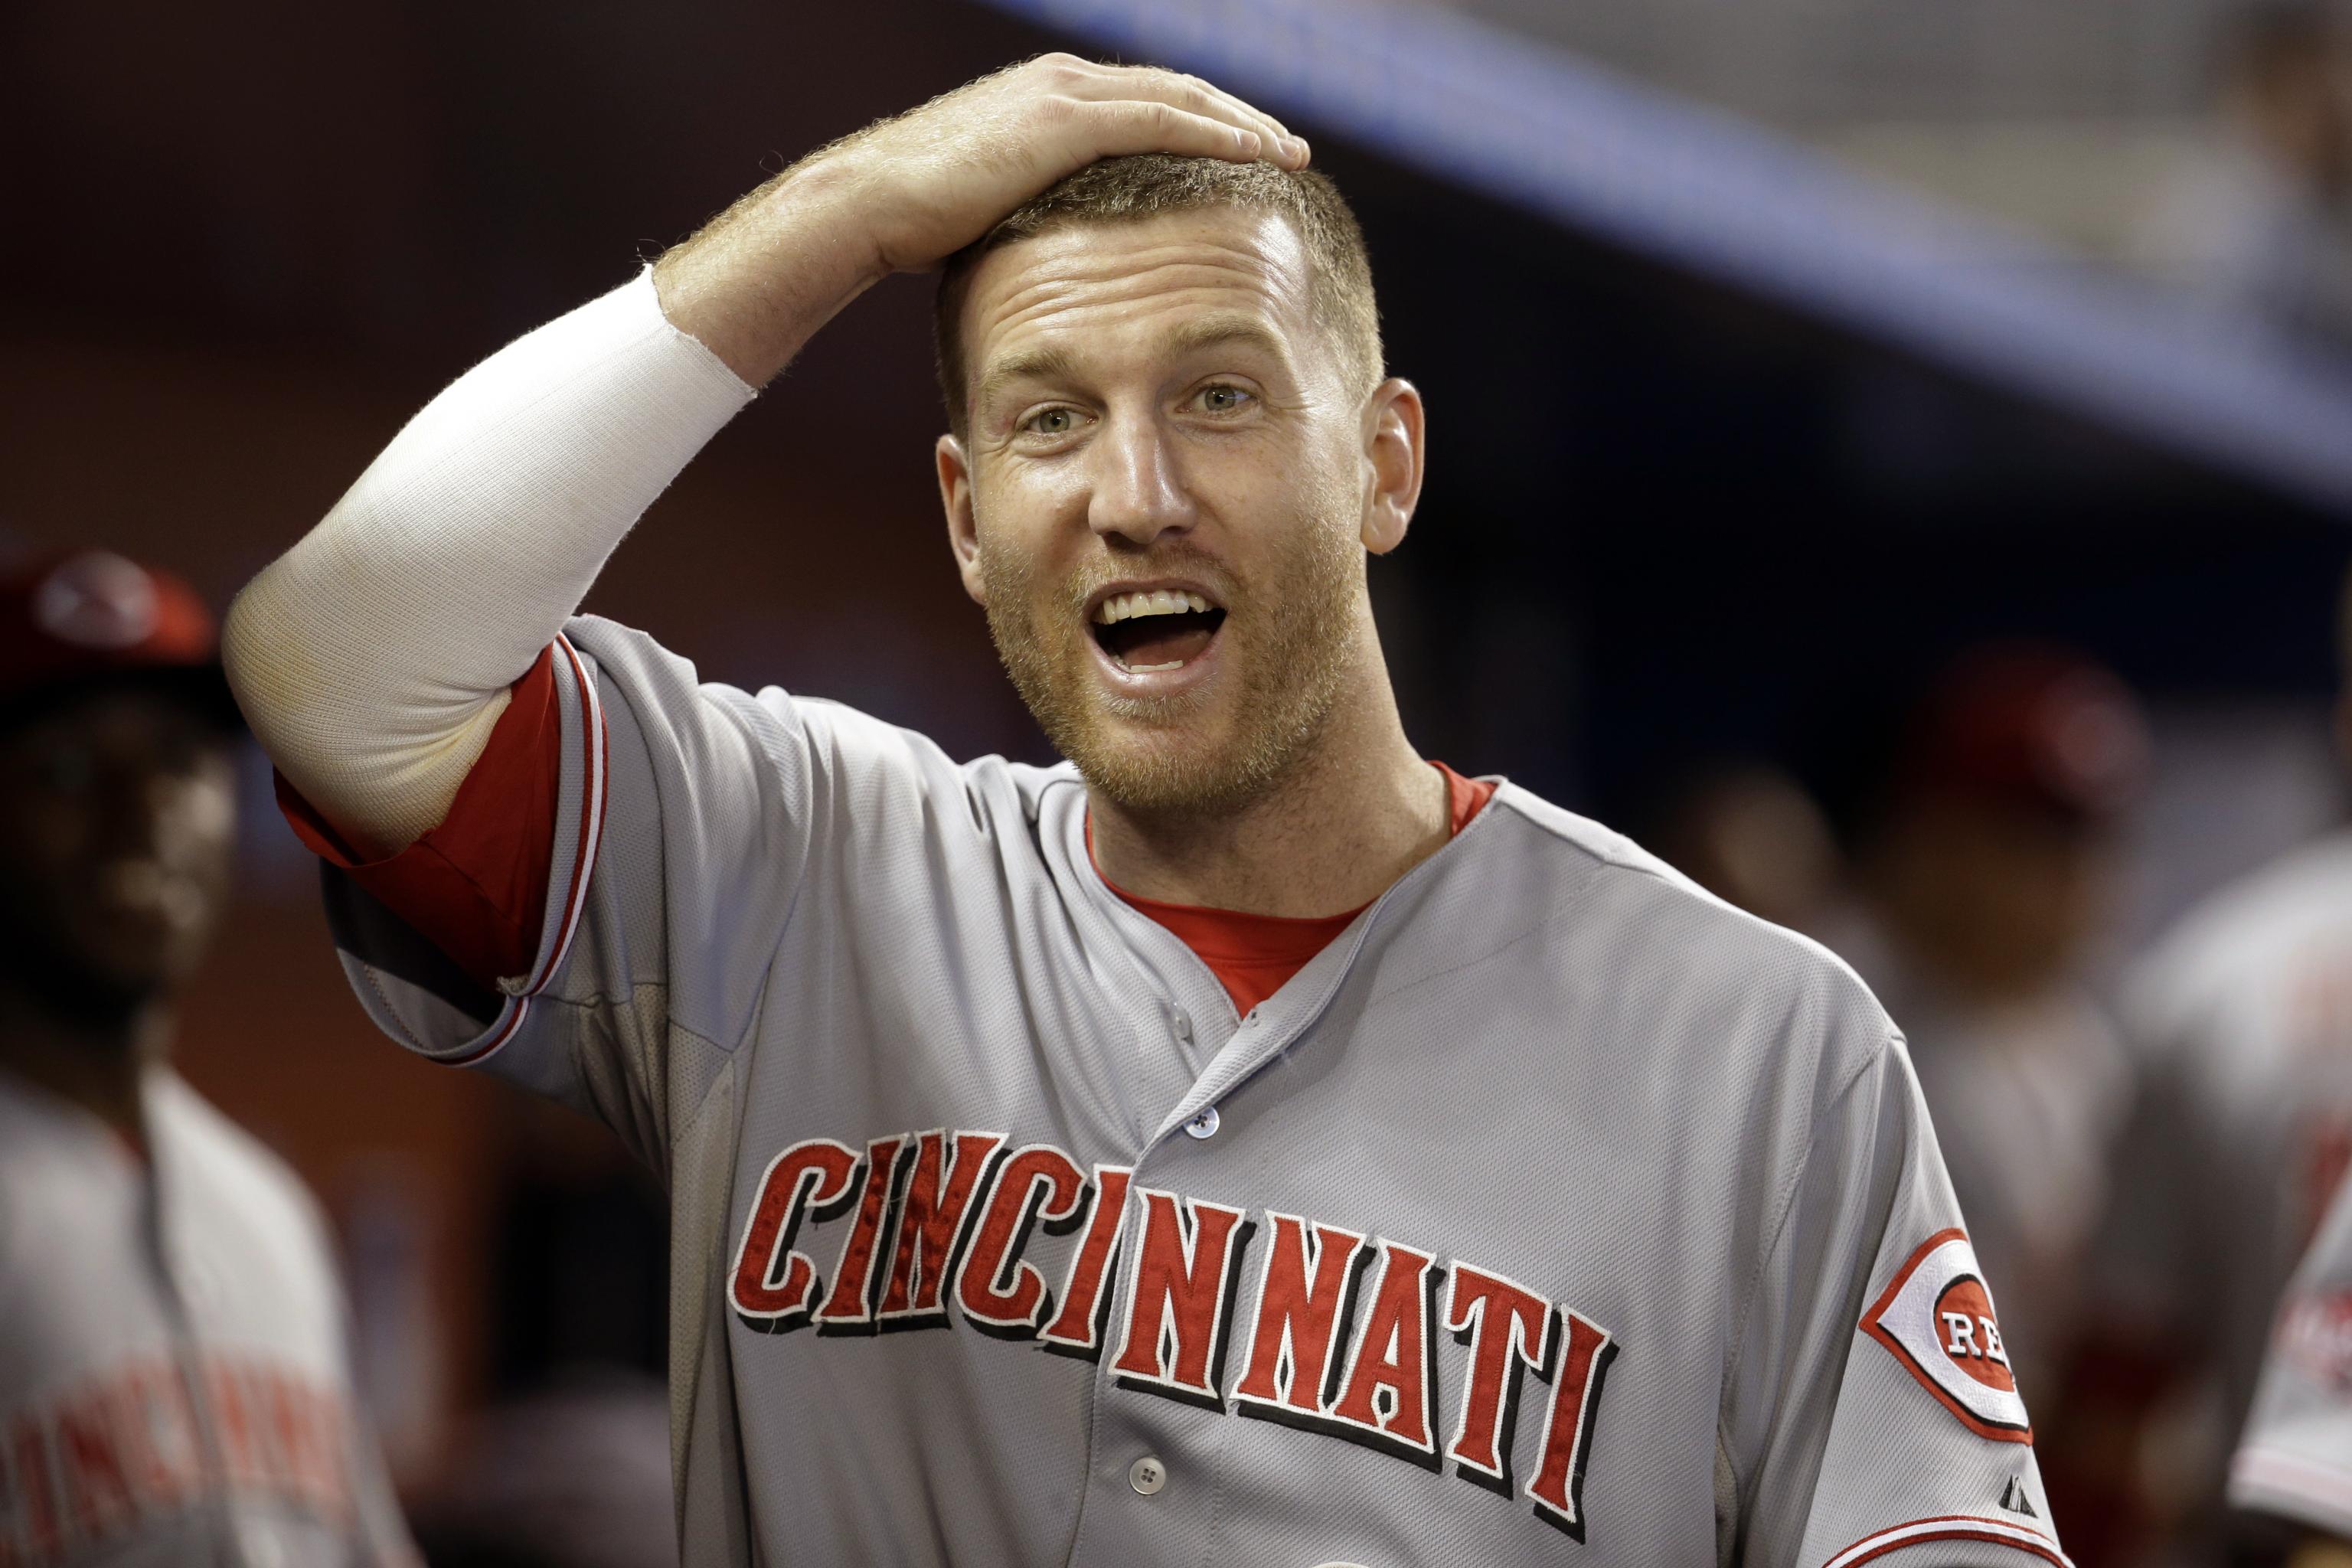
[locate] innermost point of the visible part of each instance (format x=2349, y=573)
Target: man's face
x=116, y=820
x=1162, y=500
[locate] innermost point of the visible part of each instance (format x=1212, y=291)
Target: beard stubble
x=1289, y=642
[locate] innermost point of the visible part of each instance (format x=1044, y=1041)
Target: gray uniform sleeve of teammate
x=380, y=1527
x=2295, y=1458
x=1873, y=1415
x=2166, y=1224
x=683, y=823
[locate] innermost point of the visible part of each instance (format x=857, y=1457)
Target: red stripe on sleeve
x=475, y=887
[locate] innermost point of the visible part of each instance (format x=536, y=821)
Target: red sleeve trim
x=477, y=885
x=595, y=761
x=1949, y=1527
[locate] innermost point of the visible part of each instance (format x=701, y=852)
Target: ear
x=955, y=497
x=1393, y=434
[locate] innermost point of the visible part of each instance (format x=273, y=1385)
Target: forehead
x=1085, y=286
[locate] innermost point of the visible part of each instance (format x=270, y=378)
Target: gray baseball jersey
x=173, y=1378
x=2242, y=1021
x=2296, y=1458
x=1556, y=1212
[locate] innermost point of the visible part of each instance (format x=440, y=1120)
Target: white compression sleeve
x=372, y=659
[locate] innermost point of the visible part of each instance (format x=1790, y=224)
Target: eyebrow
x=1220, y=329
x=1226, y=328
x=1030, y=364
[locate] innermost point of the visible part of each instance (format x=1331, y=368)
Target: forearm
x=373, y=658
x=760, y=279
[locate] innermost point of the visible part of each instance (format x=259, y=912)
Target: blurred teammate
x=1246, y=1142
x=174, y=1375
x=2241, y=1023
x=2261, y=221
x=1984, y=872
x=1748, y=833
x=2294, y=1462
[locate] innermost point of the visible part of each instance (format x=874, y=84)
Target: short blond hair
x=1148, y=184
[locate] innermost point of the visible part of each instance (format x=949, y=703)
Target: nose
x=1138, y=492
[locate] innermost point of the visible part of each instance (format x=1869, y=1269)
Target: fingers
x=1122, y=126
x=1138, y=88
x=1282, y=147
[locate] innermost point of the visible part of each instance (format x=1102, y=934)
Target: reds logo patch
x=2314, y=1333
x=1936, y=1317
x=97, y=600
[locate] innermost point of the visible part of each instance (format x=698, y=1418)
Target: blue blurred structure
x=1534, y=127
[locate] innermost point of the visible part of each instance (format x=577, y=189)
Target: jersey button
x=1203, y=1125
x=1147, y=1475
x=1183, y=1026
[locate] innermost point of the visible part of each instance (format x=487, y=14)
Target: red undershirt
x=1254, y=956
x=477, y=885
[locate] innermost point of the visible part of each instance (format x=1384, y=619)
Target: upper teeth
x=1157, y=602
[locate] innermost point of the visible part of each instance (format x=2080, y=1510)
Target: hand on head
x=905, y=194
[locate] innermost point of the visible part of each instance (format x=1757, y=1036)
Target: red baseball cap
x=83, y=618
x=2030, y=725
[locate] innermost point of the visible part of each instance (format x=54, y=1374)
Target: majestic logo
x=1937, y=1319
x=1341, y=1330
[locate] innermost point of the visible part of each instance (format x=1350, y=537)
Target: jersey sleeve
x=2295, y=1458
x=1872, y=1416
x=475, y=885
x=594, y=918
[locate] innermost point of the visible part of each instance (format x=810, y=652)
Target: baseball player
x=174, y=1383
x=2295, y=1459
x=1245, y=1142
x=2239, y=1023
x=1984, y=873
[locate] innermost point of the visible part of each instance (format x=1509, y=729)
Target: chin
x=132, y=960
x=1185, y=770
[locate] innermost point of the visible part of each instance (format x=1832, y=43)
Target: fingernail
x=1296, y=147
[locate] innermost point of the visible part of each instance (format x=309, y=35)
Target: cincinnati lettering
x=1343, y=1325
x=151, y=1437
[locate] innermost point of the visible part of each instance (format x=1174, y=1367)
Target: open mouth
x=1158, y=629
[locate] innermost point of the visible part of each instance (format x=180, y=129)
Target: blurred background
x=1893, y=459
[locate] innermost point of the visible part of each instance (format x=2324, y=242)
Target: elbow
x=264, y=663
x=245, y=653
